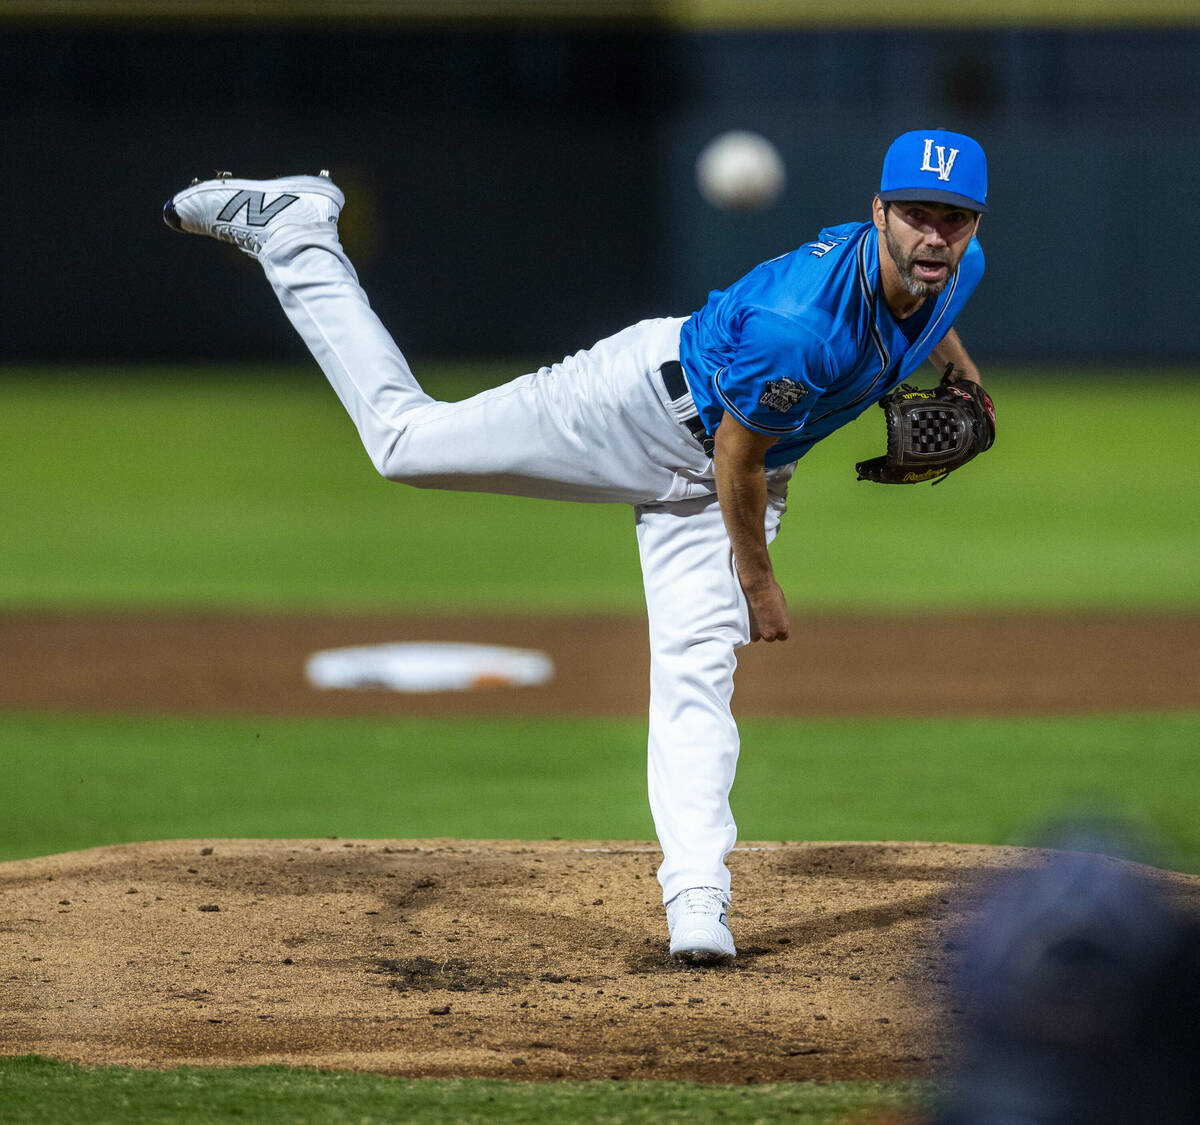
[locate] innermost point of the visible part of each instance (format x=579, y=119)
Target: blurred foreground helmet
x=1080, y=987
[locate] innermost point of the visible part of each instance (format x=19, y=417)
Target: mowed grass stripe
x=248, y=487
x=77, y=782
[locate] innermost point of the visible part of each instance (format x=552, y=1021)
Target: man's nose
x=936, y=233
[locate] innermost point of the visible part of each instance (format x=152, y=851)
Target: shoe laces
x=700, y=900
x=244, y=239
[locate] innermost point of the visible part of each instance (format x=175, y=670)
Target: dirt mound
x=253, y=664
x=490, y=958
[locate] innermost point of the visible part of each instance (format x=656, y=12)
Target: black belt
x=676, y=386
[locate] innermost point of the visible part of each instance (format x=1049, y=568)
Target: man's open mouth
x=929, y=269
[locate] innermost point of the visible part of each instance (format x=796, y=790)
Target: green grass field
x=247, y=488
x=84, y=782
x=38, y=1091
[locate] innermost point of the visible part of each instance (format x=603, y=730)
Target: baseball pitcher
x=697, y=422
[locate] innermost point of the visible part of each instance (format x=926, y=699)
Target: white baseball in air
x=740, y=171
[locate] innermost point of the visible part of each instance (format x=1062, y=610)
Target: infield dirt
x=953, y=663
x=489, y=958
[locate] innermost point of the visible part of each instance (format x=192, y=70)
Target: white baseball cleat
x=699, y=926
x=249, y=212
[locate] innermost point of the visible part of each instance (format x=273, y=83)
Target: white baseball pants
x=596, y=427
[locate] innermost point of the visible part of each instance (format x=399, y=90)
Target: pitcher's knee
x=386, y=451
x=382, y=451
x=414, y=447
x=400, y=470
x=397, y=472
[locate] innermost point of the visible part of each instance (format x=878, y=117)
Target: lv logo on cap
x=943, y=165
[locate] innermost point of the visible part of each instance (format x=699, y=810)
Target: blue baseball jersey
x=805, y=343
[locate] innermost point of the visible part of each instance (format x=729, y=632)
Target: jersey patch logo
x=782, y=395
x=256, y=214
x=944, y=166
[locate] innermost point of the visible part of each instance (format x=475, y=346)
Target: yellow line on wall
x=707, y=14
x=929, y=14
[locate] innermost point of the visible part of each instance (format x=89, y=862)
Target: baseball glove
x=930, y=433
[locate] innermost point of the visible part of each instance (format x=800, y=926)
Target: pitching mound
x=502, y=959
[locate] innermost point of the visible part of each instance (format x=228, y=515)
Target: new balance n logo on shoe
x=256, y=214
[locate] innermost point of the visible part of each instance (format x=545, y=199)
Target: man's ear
x=878, y=215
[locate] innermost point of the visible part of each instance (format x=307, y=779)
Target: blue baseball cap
x=935, y=166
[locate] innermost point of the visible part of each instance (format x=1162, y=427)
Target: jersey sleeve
x=775, y=376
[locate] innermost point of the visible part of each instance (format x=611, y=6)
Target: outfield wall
x=520, y=189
